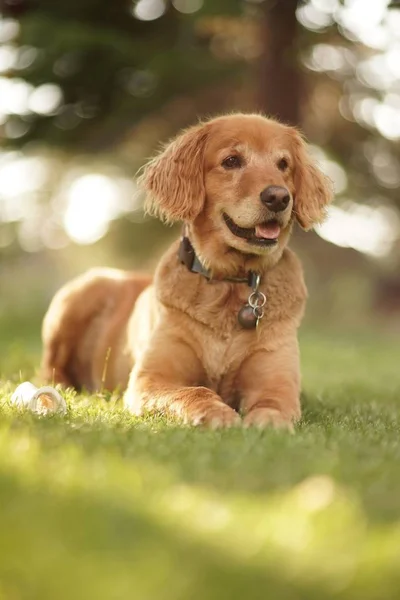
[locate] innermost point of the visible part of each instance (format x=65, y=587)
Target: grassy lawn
x=100, y=505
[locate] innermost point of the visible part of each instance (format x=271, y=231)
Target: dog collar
x=250, y=314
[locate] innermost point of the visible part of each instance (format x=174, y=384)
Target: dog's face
x=249, y=183
x=239, y=181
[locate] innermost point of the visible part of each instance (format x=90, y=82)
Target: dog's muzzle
x=264, y=234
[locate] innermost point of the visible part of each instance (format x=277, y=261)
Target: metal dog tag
x=250, y=314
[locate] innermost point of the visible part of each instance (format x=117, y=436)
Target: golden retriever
x=212, y=339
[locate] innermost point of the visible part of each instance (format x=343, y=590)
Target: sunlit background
x=89, y=89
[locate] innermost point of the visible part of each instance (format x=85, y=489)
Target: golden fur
x=174, y=344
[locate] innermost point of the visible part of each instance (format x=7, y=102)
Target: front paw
x=214, y=416
x=263, y=417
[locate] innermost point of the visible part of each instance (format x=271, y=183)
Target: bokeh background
x=90, y=88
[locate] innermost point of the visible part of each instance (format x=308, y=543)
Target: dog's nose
x=275, y=197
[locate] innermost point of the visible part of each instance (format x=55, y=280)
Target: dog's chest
x=222, y=356
x=217, y=306
x=220, y=341
x=216, y=359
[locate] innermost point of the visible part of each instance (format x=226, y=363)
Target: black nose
x=275, y=197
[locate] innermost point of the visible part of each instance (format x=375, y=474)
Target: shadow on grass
x=72, y=545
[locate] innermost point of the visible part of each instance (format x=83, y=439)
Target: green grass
x=101, y=505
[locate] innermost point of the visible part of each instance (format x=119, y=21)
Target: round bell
x=246, y=317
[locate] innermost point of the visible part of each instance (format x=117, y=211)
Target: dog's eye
x=232, y=162
x=283, y=164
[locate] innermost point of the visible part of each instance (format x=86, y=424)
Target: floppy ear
x=314, y=190
x=174, y=180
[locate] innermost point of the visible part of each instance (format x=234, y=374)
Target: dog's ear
x=174, y=180
x=313, y=190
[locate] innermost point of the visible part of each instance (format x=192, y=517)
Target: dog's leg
x=269, y=385
x=167, y=381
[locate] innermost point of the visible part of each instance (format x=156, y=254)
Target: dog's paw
x=215, y=416
x=267, y=417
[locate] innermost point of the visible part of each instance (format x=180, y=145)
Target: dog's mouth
x=264, y=234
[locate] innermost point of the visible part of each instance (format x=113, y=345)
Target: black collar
x=188, y=257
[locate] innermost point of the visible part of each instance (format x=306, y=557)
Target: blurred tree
x=105, y=65
x=281, y=80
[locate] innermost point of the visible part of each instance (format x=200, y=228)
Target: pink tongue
x=268, y=231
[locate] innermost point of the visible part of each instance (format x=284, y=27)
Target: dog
x=212, y=338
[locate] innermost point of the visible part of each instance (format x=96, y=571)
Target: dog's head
x=238, y=181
